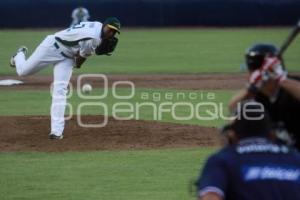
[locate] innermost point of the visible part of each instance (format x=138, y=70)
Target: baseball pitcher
x=64, y=50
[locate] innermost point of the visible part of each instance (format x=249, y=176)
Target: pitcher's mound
x=30, y=133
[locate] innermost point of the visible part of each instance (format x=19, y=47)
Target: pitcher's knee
x=59, y=91
x=22, y=71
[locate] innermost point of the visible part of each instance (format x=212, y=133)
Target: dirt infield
x=188, y=82
x=31, y=134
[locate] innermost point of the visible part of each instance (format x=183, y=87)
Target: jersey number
x=77, y=26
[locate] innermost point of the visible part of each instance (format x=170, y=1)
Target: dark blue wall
x=54, y=13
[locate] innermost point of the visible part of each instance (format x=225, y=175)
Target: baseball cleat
x=12, y=59
x=52, y=136
x=12, y=62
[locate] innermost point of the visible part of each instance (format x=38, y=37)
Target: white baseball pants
x=44, y=55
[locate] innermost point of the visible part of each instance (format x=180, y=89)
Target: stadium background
x=159, y=13
x=167, y=46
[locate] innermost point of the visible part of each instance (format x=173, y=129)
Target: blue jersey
x=253, y=169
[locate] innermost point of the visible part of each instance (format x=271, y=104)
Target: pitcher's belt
x=62, y=53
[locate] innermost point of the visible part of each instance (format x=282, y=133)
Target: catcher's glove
x=107, y=46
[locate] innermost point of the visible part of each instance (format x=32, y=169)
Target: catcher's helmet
x=252, y=120
x=255, y=55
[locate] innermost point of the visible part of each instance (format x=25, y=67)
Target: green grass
x=126, y=175
x=11, y=104
x=164, y=50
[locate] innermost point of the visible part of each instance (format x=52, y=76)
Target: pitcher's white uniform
x=59, y=50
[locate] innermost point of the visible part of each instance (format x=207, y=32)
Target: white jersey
x=80, y=15
x=82, y=38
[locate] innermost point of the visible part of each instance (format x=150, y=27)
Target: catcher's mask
x=256, y=54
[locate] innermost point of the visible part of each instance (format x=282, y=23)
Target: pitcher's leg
x=62, y=74
x=33, y=64
x=44, y=54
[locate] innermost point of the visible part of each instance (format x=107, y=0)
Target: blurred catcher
x=253, y=165
x=64, y=50
x=270, y=84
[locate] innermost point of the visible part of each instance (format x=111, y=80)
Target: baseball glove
x=79, y=61
x=107, y=46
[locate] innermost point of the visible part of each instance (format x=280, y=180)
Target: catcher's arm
x=211, y=196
